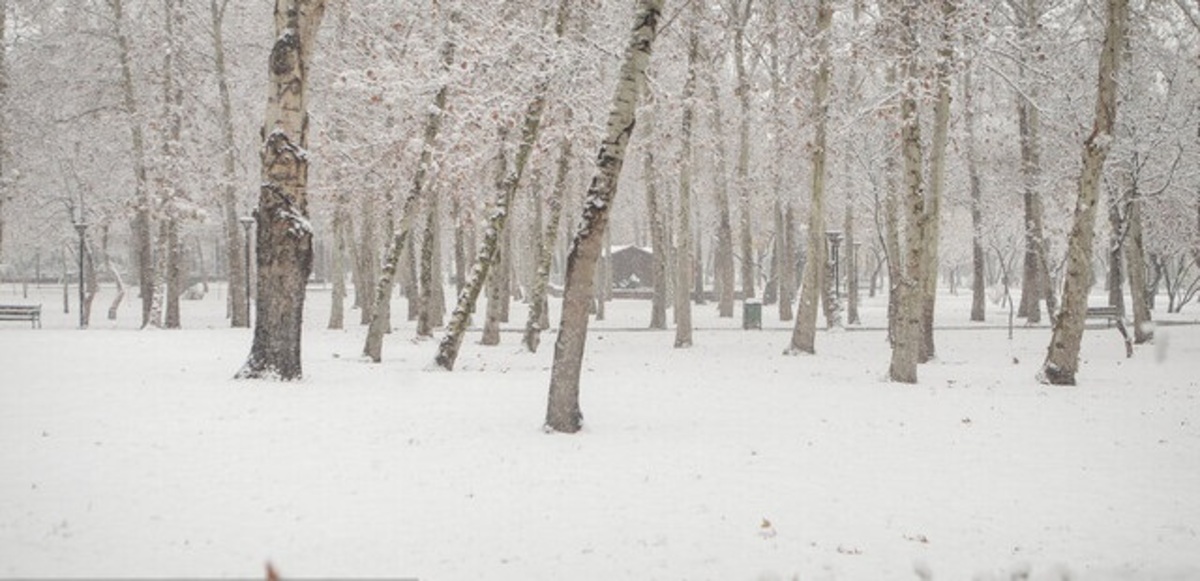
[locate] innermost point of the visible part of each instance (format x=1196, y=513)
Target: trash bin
x=752, y=314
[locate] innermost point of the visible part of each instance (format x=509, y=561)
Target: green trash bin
x=752, y=314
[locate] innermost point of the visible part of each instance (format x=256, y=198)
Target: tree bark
x=562, y=409
x=1062, y=357
x=1035, y=282
x=804, y=334
x=658, y=235
x=495, y=281
x=4, y=189
x=284, y=248
x=430, y=313
x=337, y=307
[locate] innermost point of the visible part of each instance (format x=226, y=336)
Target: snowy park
x=127, y=453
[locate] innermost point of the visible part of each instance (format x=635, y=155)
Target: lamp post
x=247, y=222
x=81, y=227
x=835, y=238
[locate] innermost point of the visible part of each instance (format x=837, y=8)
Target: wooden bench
x=1110, y=314
x=31, y=313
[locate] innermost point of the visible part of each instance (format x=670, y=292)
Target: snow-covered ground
x=133, y=453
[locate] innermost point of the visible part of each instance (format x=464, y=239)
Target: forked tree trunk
x=978, y=261
x=907, y=335
x=1062, y=358
x=488, y=249
x=562, y=409
x=683, y=250
x=804, y=334
x=284, y=248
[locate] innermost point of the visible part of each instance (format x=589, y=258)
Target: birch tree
x=562, y=409
x=1062, y=357
x=284, y=234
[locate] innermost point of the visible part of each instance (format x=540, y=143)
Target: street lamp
x=835, y=238
x=81, y=227
x=247, y=222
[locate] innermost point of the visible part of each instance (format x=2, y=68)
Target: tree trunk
x=1135, y=262
x=562, y=409
x=113, y=307
x=379, y=320
x=804, y=333
x=683, y=242
x=978, y=261
x=1117, y=233
x=485, y=257
x=366, y=263
x=723, y=267
x=4, y=189
x=142, y=227
x=1062, y=358
x=537, y=302
x=658, y=235
x=851, y=268
x=787, y=274
x=429, y=312
x=931, y=231
x=743, y=160
x=907, y=335
x=1035, y=281
x=496, y=281
x=337, y=308
x=284, y=248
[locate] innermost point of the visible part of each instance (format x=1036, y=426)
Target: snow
x=126, y=453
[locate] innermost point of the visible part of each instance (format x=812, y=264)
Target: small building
x=632, y=267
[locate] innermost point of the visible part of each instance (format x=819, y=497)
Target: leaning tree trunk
x=379, y=319
x=537, y=298
x=562, y=409
x=683, y=250
x=907, y=335
x=496, y=283
x=804, y=334
x=978, y=261
x=1062, y=357
x=485, y=257
x=931, y=230
x=284, y=249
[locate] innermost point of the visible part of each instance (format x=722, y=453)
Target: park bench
x=1109, y=314
x=31, y=313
